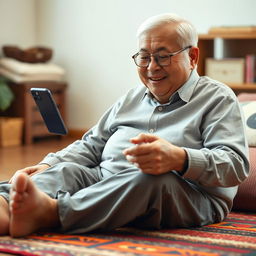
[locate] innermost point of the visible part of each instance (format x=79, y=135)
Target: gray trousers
x=88, y=201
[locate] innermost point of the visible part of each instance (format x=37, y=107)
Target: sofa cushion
x=249, y=109
x=245, y=199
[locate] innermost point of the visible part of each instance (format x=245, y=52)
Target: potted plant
x=10, y=127
x=6, y=95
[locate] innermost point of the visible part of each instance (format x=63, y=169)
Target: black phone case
x=49, y=110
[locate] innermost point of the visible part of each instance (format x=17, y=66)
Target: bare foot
x=4, y=217
x=30, y=208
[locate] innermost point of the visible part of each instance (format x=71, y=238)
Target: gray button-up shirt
x=203, y=117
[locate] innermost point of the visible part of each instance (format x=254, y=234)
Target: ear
x=193, y=56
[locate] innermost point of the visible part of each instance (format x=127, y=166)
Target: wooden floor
x=18, y=157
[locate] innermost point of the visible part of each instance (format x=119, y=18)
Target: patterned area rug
x=235, y=236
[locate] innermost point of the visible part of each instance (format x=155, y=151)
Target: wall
x=17, y=23
x=94, y=41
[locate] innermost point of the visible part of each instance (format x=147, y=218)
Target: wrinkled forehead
x=159, y=37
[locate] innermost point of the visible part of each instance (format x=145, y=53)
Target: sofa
x=245, y=199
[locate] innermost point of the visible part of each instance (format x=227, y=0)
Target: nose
x=153, y=65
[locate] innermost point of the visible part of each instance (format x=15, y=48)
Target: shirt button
x=151, y=130
x=160, y=109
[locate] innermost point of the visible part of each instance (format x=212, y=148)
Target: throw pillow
x=245, y=199
x=249, y=109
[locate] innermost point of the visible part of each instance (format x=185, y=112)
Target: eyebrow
x=157, y=50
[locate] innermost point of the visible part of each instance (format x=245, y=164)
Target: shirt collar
x=185, y=91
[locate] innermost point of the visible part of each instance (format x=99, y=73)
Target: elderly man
x=169, y=153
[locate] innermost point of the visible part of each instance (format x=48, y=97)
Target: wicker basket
x=30, y=55
x=11, y=130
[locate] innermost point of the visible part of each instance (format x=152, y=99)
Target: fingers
x=146, y=157
x=142, y=159
x=141, y=149
x=143, y=138
x=149, y=163
x=32, y=170
x=25, y=170
x=141, y=153
x=152, y=154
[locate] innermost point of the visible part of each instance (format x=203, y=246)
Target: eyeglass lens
x=163, y=59
x=143, y=59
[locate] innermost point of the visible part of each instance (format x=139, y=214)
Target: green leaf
x=6, y=95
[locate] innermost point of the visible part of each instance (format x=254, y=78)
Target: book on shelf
x=232, y=70
x=250, y=68
x=233, y=30
x=227, y=70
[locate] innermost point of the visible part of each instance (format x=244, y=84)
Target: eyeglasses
x=142, y=59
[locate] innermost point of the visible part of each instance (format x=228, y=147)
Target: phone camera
x=36, y=96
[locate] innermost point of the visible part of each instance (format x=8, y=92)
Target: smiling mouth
x=156, y=79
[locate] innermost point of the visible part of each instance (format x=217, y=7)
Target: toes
x=17, y=200
x=16, y=196
x=18, y=193
x=20, y=183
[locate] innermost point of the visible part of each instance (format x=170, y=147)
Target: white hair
x=187, y=34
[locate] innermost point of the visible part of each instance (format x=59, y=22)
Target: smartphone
x=49, y=110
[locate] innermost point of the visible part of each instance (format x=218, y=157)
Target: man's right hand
x=31, y=170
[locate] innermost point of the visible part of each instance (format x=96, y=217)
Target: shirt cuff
x=196, y=164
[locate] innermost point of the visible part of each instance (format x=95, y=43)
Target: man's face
x=164, y=81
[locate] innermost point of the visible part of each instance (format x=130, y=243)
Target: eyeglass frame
x=154, y=55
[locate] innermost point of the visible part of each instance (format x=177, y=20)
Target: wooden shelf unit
x=235, y=45
x=25, y=107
